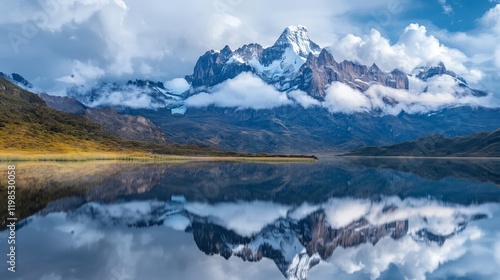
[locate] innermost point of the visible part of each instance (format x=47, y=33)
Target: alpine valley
x=291, y=97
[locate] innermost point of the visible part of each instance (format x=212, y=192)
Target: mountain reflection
x=343, y=234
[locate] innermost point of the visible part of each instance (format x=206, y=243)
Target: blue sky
x=49, y=40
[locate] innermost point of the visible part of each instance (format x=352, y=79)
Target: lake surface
x=333, y=219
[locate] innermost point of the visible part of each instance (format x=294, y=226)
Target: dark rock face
x=319, y=72
x=213, y=68
x=128, y=127
x=146, y=84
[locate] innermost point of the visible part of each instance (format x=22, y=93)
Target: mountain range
x=307, y=102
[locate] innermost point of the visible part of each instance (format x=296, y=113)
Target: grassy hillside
x=28, y=126
x=485, y=144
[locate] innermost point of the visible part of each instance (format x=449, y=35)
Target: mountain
x=319, y=72
x=17, y=79
x=131, y=94
x=293, y=129
x=128, y=127
x=293, y=62
x=485, y=144
x=383, y=107
x=425, y=73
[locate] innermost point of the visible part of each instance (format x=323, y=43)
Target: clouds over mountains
x=248, y=91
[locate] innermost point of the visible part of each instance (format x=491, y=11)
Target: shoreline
x=151, y=158
x=420, y=157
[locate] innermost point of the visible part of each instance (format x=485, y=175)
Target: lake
x=338, y=218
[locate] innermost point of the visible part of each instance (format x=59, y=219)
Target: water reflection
x=357, y=237
x=342, y=219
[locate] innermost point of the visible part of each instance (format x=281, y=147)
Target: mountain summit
x=297, y=38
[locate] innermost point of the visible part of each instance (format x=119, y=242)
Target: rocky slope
x=128, y=127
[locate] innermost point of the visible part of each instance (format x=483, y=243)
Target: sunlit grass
x=76, y=156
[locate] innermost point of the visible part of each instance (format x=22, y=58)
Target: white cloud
x=244, y=91
x=248, y=91
x=177, y=86
x=129, y=37
x=127, y=96
x=341, y=98
x=81, y=73
x=491, y=19
x=414, y=48
x=441, y=92
x=342, y=212
x=303, y=99
x=447, y=9
x=245, y=218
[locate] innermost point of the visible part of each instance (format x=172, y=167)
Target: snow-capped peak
x=297, y=37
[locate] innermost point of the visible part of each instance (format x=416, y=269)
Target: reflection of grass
x=38, y=183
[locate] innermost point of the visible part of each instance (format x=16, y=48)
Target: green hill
x=28, y=126
x=484, y=144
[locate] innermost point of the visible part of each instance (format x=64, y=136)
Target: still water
x=333, y=219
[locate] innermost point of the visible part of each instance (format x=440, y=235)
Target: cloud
x=177, y=86
x=437, y=93
x=244, y=91
x=247, y=91
x=414, y=48
x=341, y=98
x=245, y=219
x=447, y=9
x=109, y=95
x=303, y=99
x=130, y=39
x=157, y=40
x=81, y=73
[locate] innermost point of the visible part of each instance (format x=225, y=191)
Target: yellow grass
x=137, y=157
x=89, y=156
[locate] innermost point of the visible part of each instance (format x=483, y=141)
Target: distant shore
x=420, y=157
